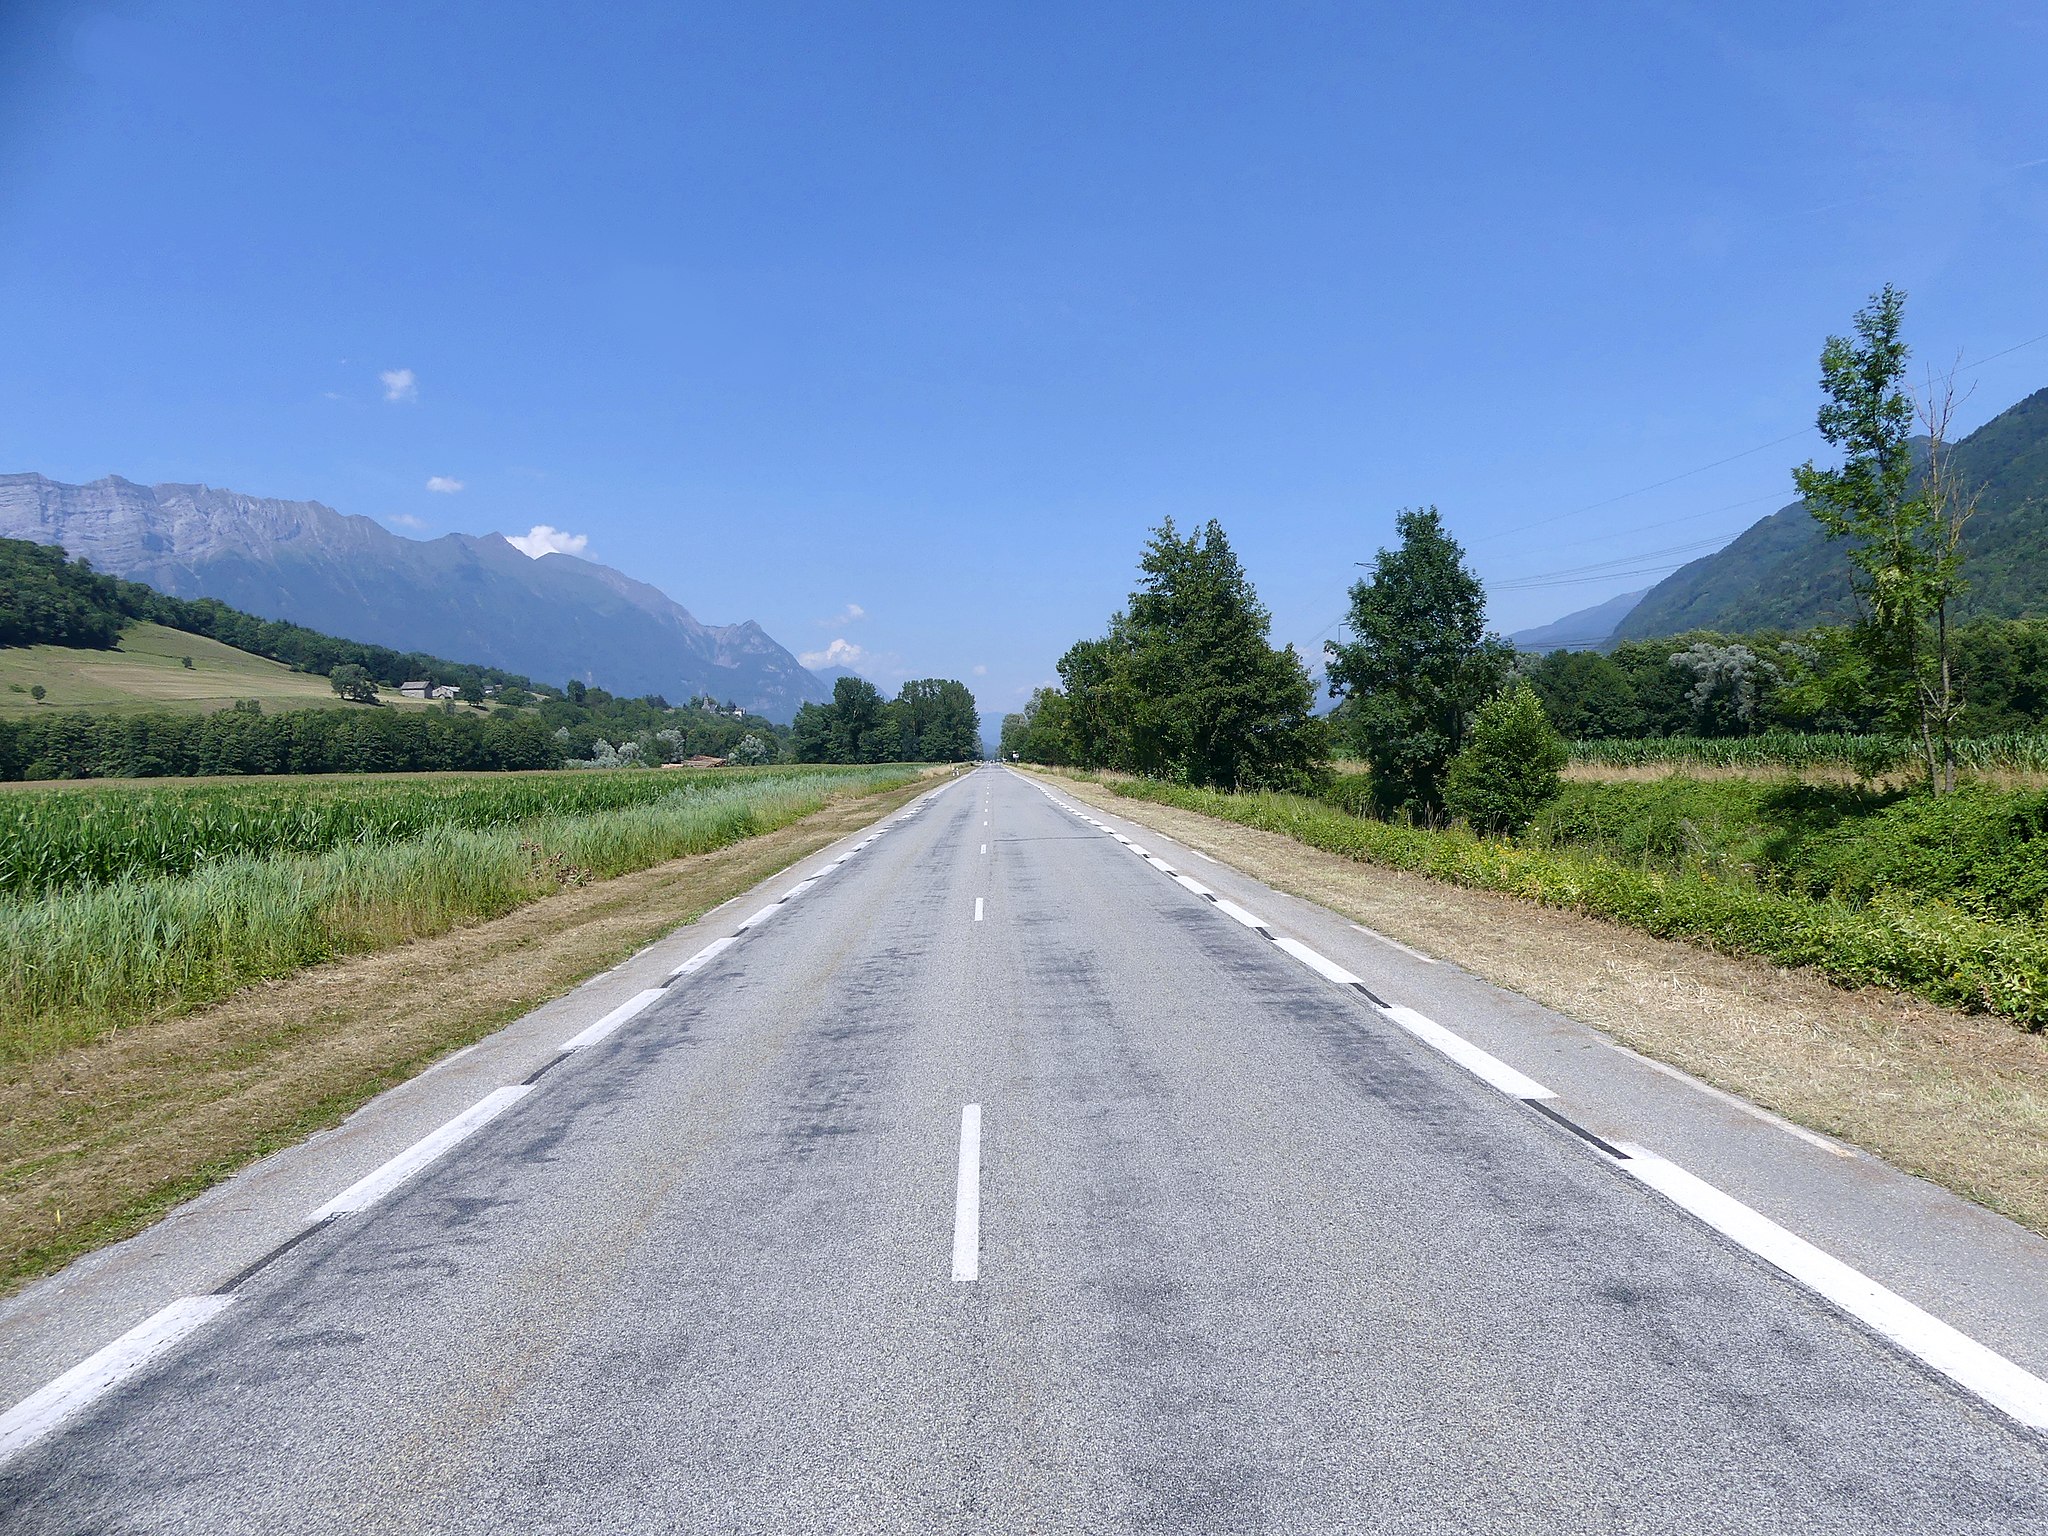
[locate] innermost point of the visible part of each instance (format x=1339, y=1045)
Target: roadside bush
x=1507, y=770
x=1349, y=792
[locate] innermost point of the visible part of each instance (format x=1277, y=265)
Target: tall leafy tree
x=1089, y=725
x=939, y=721
x=1904, y=542
x=860, y=729
x=1038, y=732
x=1186, y=686
x=1419, y=663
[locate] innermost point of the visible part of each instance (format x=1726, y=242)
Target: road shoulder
x=1840, y=1114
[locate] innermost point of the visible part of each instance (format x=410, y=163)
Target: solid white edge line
x=92, y=1378
x=703, y=957
x=612, y=1020
x=1320, y=963
x=1232, y=910
x=1955, y=1354
x=967, y=1198
x=372, y=1187
x=1413, y=954
x=1487, y=1068
x=977, y=909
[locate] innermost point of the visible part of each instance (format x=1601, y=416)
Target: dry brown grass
x=100, y=1140
x=1959, y=1099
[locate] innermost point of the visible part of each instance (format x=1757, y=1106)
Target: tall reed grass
x=85, y=959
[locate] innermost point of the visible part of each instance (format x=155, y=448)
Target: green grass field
x=146, y=672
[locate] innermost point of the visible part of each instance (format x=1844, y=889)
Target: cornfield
x=141, y=902
x=71, y=838
x=2023, y=751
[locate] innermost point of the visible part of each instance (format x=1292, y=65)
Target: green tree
x=1187, y=686
x=1090, y=725
x=1037, y=733
x=1418, y=664
x=751, y=751
x=939, y=721
x=353, y=682
x=1587, y=695
x=1508, y=769
x=1904, y=544
x=38, y=692
x=810, y=734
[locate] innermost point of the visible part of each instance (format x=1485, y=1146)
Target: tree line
x=1452, y=723
x=1710, y=684
x=931, y=720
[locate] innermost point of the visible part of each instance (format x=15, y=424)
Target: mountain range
x=1784, y=573
x=475, y=599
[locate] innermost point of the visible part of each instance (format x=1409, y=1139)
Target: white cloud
x=852, y=613
x=400, y=386
x=447, y=485
x=544, y=540
x=406, y=520
x=980, y=670
x=840, y=653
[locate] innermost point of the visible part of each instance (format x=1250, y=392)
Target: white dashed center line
x=967, y=1198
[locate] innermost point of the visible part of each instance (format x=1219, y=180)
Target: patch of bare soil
x=1956, y=1098
x=100, y=1140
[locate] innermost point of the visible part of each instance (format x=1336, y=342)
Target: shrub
x=1507, y=770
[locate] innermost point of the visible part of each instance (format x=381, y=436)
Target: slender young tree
x=1419, y=663
x=1904, y=542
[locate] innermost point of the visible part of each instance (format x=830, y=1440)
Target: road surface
x=999, y=1181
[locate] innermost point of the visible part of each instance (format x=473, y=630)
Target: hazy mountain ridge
x=1584, y=630
x=468, y=598
x=1783, y=573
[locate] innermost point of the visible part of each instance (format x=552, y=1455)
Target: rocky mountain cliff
x=471, y=599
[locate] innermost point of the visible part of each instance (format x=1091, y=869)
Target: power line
x=1549, y=578
x=1686, y=474
x=1568, y=577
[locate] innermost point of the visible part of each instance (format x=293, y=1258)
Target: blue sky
x=898, y=326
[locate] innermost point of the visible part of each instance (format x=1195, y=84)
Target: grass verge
x=1956, y=1098
x=101, y=1139
x=1929, y=948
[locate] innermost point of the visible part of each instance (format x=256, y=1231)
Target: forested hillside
x=1782, y=573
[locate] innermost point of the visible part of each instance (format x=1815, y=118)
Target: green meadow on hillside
x=146, y=671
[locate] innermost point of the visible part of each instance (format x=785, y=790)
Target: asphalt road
x=1248, y=1256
